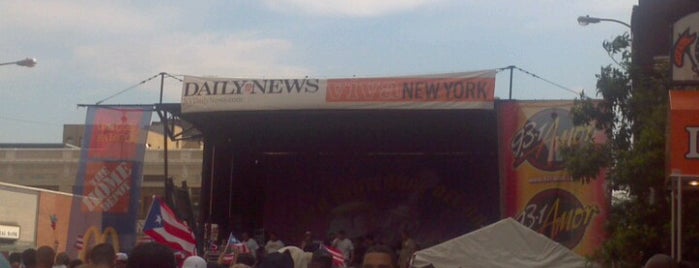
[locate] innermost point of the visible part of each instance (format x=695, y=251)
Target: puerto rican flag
x=162, y=225
x=237, y=249
x=338, y=257
x=236, y=245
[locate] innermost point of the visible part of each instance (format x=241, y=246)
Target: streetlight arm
x=617, y=21
x=585, y=20
x=28, y=62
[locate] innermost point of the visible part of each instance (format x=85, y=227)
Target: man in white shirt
x=345, y=245
x=250, y=243
x=273, y=244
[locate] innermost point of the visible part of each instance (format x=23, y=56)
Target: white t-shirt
x=344, y=245
x=252, y=245
x=273, y=246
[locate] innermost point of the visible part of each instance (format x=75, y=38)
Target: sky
x=89, y=50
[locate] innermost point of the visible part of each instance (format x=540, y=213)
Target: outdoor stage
x=366, y=172
x=436, y=155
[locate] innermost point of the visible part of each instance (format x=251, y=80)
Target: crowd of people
x=308, y=253
x=319, y=253
x=154, y=255
x=99, y=256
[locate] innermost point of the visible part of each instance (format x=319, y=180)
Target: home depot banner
x=536, y=189
x=109, y=175
x=684, y=133
x=469, y=90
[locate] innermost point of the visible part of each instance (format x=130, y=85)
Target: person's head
x=273, y=236
x=341, y=234
x=194, y=262
x=62, y=259
x=660, y=261
x=245, y=236
x=15, y=259
x=277, y=260
x=246, y=258
x=151, y=255
x=45, y=256
x=29, y=258
x=404, y=234
x=379, y=257
x=685, y=264
x=75, y=263
x=121, y=260
x=102, y=254
x=369, y=240
x=321, y=259
x=307, y=235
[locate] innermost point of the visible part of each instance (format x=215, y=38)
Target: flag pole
x=152, y=200
x=225, y=250
x=153, y=197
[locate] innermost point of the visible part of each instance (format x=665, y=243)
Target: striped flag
x=241, y=248
x=228, y=258
x=338, y=257
x=237, y=249
x=232, y=240
x=162, y=225
x=236, y=245
x=79, y=243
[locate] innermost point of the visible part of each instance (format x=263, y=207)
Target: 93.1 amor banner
x=537, y=192
x=109, y=177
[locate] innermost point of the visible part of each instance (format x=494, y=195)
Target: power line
x=20, y=120
x=548, y=81
x=174, y=77
x=127, y=89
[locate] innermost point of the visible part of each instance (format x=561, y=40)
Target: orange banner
x=536, y=189
x=411, y=89
x=684, y=133
x=53, y=220
x=108, y=186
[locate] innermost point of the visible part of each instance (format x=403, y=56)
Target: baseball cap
x=121, y=256
x=194, y=262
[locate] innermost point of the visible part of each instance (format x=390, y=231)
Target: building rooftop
x=34, y=146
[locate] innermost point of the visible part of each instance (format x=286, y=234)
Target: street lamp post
x=585, y=20
x=28, y=62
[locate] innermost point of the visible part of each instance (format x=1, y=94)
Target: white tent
x=506, y=243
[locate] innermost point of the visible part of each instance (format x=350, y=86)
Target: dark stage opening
x=431, y=172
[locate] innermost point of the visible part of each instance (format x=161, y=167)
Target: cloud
x=74, y=16
x=354, y=8
x=118, y=44
x=205, y=54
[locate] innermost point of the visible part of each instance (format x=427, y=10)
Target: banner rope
x=127, y=89
x=550, y=82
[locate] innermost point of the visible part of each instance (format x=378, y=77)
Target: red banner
x=683, y=138
x=117, y=134
x=536, y=189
